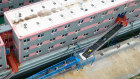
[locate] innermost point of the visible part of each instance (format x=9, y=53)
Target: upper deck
x=51, y=13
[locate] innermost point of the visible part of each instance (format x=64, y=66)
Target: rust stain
x=17, y=22
x=84, y=0
x=45, y=13
x=30, y=17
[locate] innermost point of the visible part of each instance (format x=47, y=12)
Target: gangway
x=64, y=66
x=69, y=62
x=121, y=21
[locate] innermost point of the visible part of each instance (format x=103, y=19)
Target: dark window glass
x=11, y=7
x=24, y=48
x=36, y=51
x=81, y=21
x=31, y=1
x=26, y=56
x=27, y=48
x=38, y=35
x=67, y=26
x=24, y=40
x=42, y=35
x=39, y=50
x=20, y=4
x=0, y=66
x=85, y=34
x=28, y=39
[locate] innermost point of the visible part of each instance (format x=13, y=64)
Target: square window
x=39, y=36
x=73, y=38
x=39, y=50
x=85, y=34
x=77, y=30
x=104, y=13
x=42, y=35
x=80, y=22
x=27, y=48
x=24, y=40
x=25, y=56
x=64, y=34
x=50, y=39
x=55, y=30
x=136, y=15
x=11, y=7
x=39, y=44
x=64, y=42
x=24, y=48
x=50, y=47
x=67, y=26
x=28, y=39
x=31, y=1
x=20, y=4
x=52, y=31
x=92, y=17
x=116, y=9
x=36, y=51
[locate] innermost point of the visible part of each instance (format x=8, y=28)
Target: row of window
x=64, y=35
x=28, y=39
x=61, y=43
x=37, y=52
